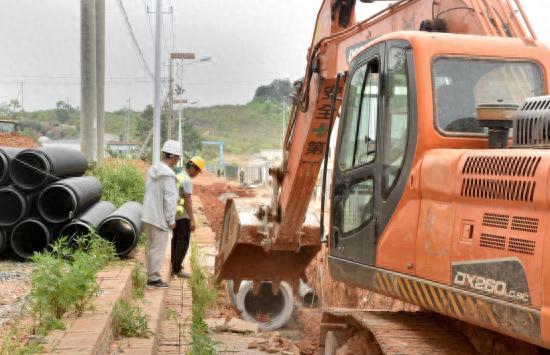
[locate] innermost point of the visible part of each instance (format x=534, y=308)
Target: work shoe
x=157, y=284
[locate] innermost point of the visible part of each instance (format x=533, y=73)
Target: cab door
x=356, y=177
x=374, y=156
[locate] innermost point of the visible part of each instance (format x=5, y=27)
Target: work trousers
x=157, y=240
x=180, y=243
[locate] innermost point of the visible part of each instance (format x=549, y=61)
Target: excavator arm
x=276, y=239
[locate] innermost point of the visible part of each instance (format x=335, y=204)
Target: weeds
x=203, y=296
x=129, y=321
x=122, y=182
x=64, y=280
x=139, y=280
x=13, y=344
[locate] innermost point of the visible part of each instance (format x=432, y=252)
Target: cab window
x=396, y=117
x=460, y=84
x=358, y=145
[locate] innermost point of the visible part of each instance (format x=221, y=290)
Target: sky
x=250, y=42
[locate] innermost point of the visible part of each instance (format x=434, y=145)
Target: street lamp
x=180, y=128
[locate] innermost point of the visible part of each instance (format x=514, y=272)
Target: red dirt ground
x=16, y=140
x=209, y=189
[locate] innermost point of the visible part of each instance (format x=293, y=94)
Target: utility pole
x=22, y=109
x=157, y=99
x=100, y=78
x=171, y=103
x=127, y=128
x=88, y=86
x=283, y=122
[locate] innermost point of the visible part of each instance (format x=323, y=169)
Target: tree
x=278, y=90
x=62, y=111
x=144, y=124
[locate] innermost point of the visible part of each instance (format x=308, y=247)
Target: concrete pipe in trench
x=32, y=169
x=30, y=236
x=268, y=310
x=123, y=228
x=307, y=294
x=65, y=199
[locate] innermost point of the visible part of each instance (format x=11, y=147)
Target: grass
x=262, y=119
x=129, y=320
x=122, y=181
x=139, y=280
x=64, y=280
x=14, y=344
x=203, y=295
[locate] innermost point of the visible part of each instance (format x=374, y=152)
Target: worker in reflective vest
x=185, y=220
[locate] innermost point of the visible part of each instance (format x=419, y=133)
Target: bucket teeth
x=236, y=286
x=276, y=287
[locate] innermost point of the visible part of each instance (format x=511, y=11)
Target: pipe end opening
x=121, y=233
x=270, y=311
x=57, y=203
x=4, y=167
x=29, y=170
x=75, y=230
x=28, y=237
x=12, y=207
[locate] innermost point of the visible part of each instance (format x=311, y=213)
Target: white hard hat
x=172, y=147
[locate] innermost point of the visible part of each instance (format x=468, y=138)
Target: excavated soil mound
x=16, y=140
x=209, y=189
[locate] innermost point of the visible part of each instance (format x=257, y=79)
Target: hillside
x=245, y=129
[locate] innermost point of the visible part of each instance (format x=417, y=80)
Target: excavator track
x=397, y=332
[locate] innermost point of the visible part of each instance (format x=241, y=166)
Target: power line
x=149, y=20
x=165, y=42
x=134, y=40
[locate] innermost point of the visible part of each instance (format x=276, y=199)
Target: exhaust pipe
x=15, y=205
x=268, y=310
x=30, y=236
x=6, y=156
x=65, y=199
x=123, y=228
x=307, y=294
x=88, y=221
x=32, y=169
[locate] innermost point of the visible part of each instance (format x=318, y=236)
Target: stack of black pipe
x=44, y=194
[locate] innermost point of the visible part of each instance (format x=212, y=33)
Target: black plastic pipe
x=123, y=228
x=32, y=169
x=66, y=199
x=30, y=236
x=15, y=205
x=6, y=156
x=88, y=221
x=4, y=241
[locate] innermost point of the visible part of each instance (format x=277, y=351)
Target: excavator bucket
x=247, y=253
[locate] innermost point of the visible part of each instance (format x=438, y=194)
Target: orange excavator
x=439, y=193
